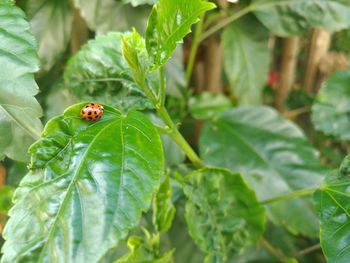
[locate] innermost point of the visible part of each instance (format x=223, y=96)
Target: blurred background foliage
x=303, y=74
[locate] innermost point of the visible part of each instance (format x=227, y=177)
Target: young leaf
x=290, y=17
x=19, y=110
x=98, y=72
x=88, y=185
x=222, y=213
x=331, y=111
x=135, y=54
x=170, y=21
x=163, y=208
x=273, y=156
x=333, y=203
x=247, y=58
x=51, y=22
x=207, y=105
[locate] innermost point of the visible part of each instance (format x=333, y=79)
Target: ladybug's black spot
x=87, y=106
x=95, y=112
x=89, y=113
x=92, y=104
x=90, y=118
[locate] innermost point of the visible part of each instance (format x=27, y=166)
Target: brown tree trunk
x=213, y=65
x=287, y=75
x=319, y=46
x=80, y=32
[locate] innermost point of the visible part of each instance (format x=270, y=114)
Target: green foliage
x=272, y=154
x=245, y=41
x=222, y=213
x=103, y=16
x=79, y=170
x=169, y=22
x=163, y=208
x=207, y=105
x=98, y=72
x=331, y=111
x=51, y=23
x=333, y=202
x=19, y=110
x=290, y=17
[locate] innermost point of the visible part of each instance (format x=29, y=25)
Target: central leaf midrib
x=69, y=189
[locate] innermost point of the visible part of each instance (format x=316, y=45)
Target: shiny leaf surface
x=169, y=22
x=51, y=23
x=247, y=58
x=291, y=17
x=98, y=72
x=222, y=213
x=19, y=110
x=331, y=111
x=273, y=156
x=88, y=185
x=333, y=202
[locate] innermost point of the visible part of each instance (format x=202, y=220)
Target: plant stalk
x=179, y=139
x=299, y=193
x=225, y=22
x=194, y=49
x=161, y=87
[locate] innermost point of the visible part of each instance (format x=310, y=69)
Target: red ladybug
x=92, y=112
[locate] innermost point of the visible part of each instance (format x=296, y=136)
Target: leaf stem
x=308, y=250
x=194, y=48
x=162, y=93
x=179, y=139
x=274, y=251
x=173, y=132
x=225, y=22
x=299, y=193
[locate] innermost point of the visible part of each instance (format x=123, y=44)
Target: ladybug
x=92, y=112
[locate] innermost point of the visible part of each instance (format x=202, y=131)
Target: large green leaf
x=333, y=202
x=88, y=185
x=169, y=22
x=247, y=58
x=293, y=17
x=222, y=213
x=206, y=105
x=19, y=110
x=104, y=16
x=273, y=156
x=51, y=23
x=98, y=72
x=331, y=111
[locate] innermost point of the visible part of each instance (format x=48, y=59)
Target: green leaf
x=247, y=58
x=88, y=185
x=6, y=193
x=135, y=54
x=207, y=105
x=331, y=111
x=222, y=213
x=104, y=16
x=163, y=208
x=333, y=203
x=51, y=23
x=290, y=17
x=98, y=72
x=19, y=110
x=139, y=2
x=273, y=156
x=169, y=22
